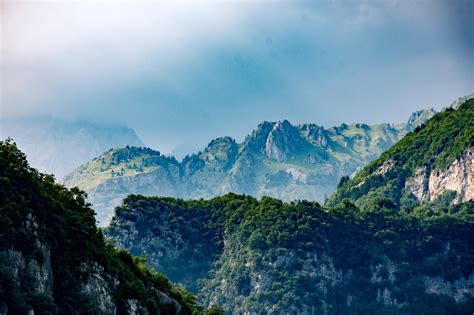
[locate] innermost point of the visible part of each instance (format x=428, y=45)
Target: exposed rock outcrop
x=458, y=177
x=100, y=288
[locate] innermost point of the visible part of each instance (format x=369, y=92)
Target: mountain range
x=58, y=146
x=277, y=159
x=397, y=238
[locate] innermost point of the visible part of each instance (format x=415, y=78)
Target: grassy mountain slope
x=277, y=159
x=53, y=259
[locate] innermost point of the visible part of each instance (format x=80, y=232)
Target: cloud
x=183, y=72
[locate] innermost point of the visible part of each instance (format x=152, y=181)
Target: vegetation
x=374, y=249
x=50, y=246
x=257, y=256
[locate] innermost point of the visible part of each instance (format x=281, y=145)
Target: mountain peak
x=283, y=139
x=461, y=100
x=221, y=141
x=420, y=117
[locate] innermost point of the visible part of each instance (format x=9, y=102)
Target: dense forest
x=53, y=259
x=270, y=256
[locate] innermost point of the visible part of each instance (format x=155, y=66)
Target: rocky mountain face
x=277, y=159
x=429, y=185
x=53, y=259
x=58, y=147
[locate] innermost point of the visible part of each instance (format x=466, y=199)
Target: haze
x=182, y=73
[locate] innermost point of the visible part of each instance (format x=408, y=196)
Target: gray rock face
x=419, y=117
x=100, y=287
x=36, y=271
x=416, y=185
x=284, y=141
x=25, y=269
x=39, y=271
x=459, y=289
x=458, y=177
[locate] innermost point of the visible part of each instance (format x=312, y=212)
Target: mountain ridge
x=428, y=165
x=277, y=159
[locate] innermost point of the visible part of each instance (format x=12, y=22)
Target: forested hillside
x=299, y=258
x=53, y=259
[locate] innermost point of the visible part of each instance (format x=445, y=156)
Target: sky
x=184, y=72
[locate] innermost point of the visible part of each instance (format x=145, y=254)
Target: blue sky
x=181, y=73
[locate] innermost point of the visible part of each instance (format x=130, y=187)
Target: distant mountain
x=398, y=238
x=58, y=147
x=54, y=260
x=277, y=159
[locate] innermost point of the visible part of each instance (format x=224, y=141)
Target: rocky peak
x=222, y=141
x=282, y=140
x=461, y=100
x=419, y=117
x=258, y=138
x=223, y=149
x=318, y=135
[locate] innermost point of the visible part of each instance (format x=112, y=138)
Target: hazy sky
x=181, y=73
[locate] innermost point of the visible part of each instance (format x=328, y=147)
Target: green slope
x=267, y=256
